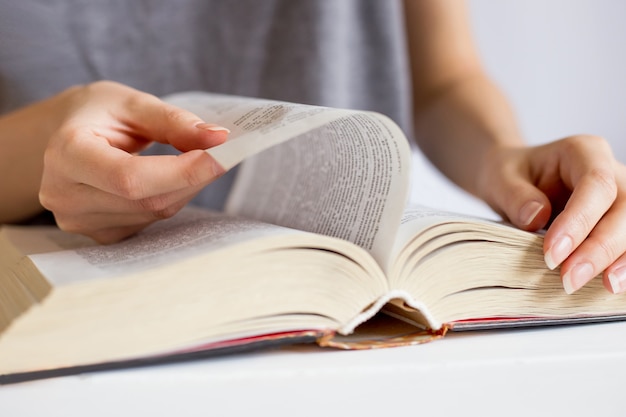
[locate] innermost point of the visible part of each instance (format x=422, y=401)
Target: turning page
x=254, y=124
x=337, y=172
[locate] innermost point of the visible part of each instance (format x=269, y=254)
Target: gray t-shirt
x=346, y=53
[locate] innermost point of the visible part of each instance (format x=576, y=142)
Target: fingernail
x=529, y=211
x=617, y=280
x=576, y=277
x=558, y=252
x=211, y=127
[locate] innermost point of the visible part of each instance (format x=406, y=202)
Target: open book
x=315, y=244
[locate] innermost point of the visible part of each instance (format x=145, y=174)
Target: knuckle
x=174, y=114
x=605, y=248
x=597, y=142
x=153, y=204
x=135, y=100
x=581, y=223
x=585, y=145
x=113, y=235
x=49, y=158
x=170, y=211
x=54, y=200
x=46, y=199
x=513, y=197
x=586, y=141
x=516, y=192
x=68, y=136
x=104, y=238
x=165, y=213
x=605, y=179
x=193, y=176
x=101, y=88
x=159, y=207
x=102, y=84
x=69, y=224
x=126, y=184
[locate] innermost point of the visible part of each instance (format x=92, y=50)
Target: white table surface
x=557, y=371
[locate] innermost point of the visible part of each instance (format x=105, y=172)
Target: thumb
x=523, y=204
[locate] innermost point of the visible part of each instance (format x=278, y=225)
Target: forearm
x=460, y=115
x=24, y=135
x=460, y=125
x=467, y=129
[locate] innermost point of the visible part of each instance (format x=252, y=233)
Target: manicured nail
x=558, y=252
x=575, y=278
x=529, y=211
x=211, y=127
x=617, y=280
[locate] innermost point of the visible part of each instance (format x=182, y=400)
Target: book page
x=346, y=179
x=417, y=219
x=338, y=172
x=440, y=255
x=254, y=124
x=193, y=231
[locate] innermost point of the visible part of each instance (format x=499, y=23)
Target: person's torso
x=348, y=53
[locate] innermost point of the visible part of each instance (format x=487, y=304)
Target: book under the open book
x=316, y=244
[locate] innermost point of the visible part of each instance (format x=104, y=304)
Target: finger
x=599, y=251
x=524, y=204
x=133, y=177
x=113, y=228
x=152, y=118
x=81, y=204
x=116, y=234
x=594, y=191
x=80, y=208
x=126, y=116
x=106, y=227
x=518, y=200
x=614, y=277
x=603, y=249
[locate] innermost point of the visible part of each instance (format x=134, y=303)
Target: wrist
x=490, y=167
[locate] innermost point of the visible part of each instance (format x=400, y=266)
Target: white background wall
x=562, y=64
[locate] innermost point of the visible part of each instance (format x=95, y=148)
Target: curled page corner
x=370, y=330
x=371, y=311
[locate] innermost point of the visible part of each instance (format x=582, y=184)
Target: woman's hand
x=93, y=180
x=577, y=188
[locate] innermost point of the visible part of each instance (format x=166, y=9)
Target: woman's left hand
x=577, y=189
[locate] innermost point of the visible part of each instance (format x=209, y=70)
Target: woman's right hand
x=96, y=184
